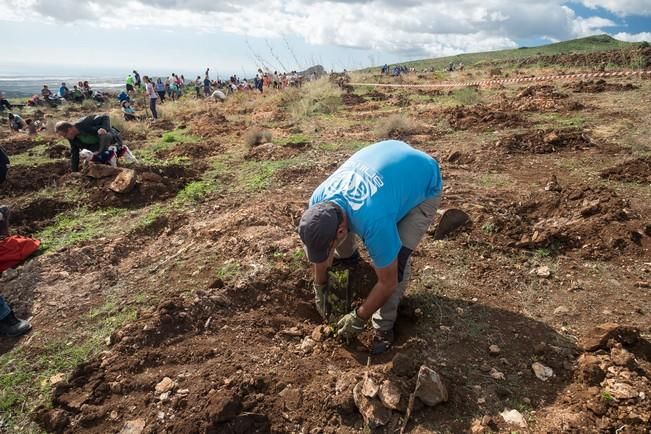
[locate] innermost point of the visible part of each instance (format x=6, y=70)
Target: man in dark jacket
x=93, y=133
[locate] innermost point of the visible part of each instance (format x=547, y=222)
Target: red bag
x=15, y=249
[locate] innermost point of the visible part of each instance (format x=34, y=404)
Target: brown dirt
x=637, y=170
x=352, y=99
x=482, y=117
x=543, y=142
x=598, y=86
x=594, y=221
x=25, y=179
x=148, y=190
x=272, y=151
x=18, y=144
x=540, y=98
x=36, y=214
x=376, y=95
x=235, y=345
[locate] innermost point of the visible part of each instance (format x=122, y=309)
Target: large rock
x=429, y=387
x=165, y=385
x=99, y=171
x=390, y=395
x=514, y=417
x=374, y=413
x=124, y=182
x=600, y=336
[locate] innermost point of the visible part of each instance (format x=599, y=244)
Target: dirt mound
x=210, y=123
x=611, y=383
x=25, y=179
x=481, y=117
x=194, y=151
x=598, y=86
x=593, y=219
x=155, y=183
x=544, y=142
x=376, y=95
x=638, y=170
x=352, y=99
x=18, y=144
x=30, y=217
x=58, y=151
x=539, y=98
x=272, y=151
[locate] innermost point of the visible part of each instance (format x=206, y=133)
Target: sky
x=186, y=36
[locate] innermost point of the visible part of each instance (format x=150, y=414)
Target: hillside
x=582, y=45
x=182, y=302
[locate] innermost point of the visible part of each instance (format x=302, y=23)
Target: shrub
x=256, y=136
x=466, y=96
x=394, y=126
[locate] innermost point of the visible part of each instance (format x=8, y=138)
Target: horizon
x=71, y=36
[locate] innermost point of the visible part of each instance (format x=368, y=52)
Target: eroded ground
x=198, y=274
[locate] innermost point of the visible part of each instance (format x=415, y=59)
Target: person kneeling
x=95, y=134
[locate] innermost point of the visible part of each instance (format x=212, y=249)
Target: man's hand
x=101, y=131
x=320, y=299
x=350, y=325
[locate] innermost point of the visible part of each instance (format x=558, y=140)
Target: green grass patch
x=228, y=271
x=294, y=139
x=258, y=175
x=33, y=157
x=195, y=192
x=80, y=225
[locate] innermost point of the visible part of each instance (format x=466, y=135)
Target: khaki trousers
x=412, y=229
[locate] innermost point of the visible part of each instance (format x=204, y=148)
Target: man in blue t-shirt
x=386, y=194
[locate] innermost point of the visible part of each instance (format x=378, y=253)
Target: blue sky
x=165, y=36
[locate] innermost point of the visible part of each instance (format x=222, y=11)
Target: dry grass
x=256, y=136
x=314, y=98
x=394, y=126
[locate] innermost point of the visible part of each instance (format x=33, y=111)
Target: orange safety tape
x=509, y=80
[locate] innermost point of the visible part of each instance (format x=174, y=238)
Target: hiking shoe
x=382, y=341
x=347, y=262
x=12, y=326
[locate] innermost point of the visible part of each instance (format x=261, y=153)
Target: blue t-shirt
x=376, y=188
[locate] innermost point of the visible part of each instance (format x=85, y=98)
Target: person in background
x=174, y=90
x=153, y=96
x=128, y=112
x=46, y=93
x=123, y=96
x=206, y=85
x=16, y=123
x=64, y=92
x=76, y=94
x=197, y=86
x=129, y=84
x=86, y=90
x=4, y=103
x=160, y=89
x=136, y=77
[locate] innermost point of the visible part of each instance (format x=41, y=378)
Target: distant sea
x=25, y=86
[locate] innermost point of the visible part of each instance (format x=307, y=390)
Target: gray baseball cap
x=318, y=228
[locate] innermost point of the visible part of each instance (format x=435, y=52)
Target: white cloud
x=408, y=27
x=621, y=7
x=633, y=37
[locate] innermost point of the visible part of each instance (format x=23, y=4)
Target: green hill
x=581, y=45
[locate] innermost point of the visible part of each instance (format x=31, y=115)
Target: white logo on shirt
x=356, y=184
